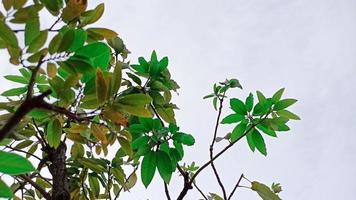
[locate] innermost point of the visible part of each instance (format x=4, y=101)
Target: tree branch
x=24, y=108
x=188, y=186
x=33, y=78
x=211, y=149
x=35, y=185
x=166, y=191
x=236, y=185
x=200, y=191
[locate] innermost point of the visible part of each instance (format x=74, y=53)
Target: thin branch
x=211, y=149
x=35, y=185
x=22, y=151
x=200, y=191
x=54, y=24
x=33, y=78
x=236, y=185
x=24, y=108
x=188, y=186
x=166, y=191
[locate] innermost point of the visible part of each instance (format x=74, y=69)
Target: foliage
x=78, y=91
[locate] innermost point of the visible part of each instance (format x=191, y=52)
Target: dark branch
x=236, y=185
x=166, y=191
x=211, y=149
x=200, y=191
x=35, y=185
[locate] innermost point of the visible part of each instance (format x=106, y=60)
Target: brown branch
x=20, y=113
x=35, y=185
x=211, y=149
x=236, y=185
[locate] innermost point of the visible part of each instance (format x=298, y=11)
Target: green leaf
x=249, y=102
x=163, y=166
x=17, y=79
x=238, y=106
x=232, y=118
x=140, y=142
x=14, y=92
x=13, y=164
x=5, y=191
x=101, y=87
x=54, y=132
x=266, y=130
x=184, y=138
x=7, y=35
x=250, y=141
x=32, y=30
x=277, y=96
x=238, y=131
x=117, y=44
x=94, y=184
x=53, y=6
x=233, y=83
x=91, y=164
x=38, y=42
x=163, y=63
x=148, y=168
x=288, y=114
x=261, y=98
x=215, y=196
x=167, y=114
x=66, y=41
x=80, y=36
x=259, y=142
x=98, y=53
x=55, y=43
x=215, y=99
x=285, y=103
x=264, y=191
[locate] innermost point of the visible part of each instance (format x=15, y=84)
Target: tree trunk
x=58, y=170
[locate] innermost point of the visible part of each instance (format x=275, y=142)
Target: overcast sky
x=306, y=46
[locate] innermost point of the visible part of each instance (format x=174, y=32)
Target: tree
x=80, y=98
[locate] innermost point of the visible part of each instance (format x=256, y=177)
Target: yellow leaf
x=264, y=191
x=104, y=32
x=116, y=117
x=78, y=128
x=101, y=86
x=51, y=70
x=117, y=78
x=97, y=150
x=99, y=132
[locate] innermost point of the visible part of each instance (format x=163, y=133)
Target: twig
x=211, y=149
x=236, y=185
x=35, y=185
x=200, y=191
x=166, y=191
x=33, y=78
x=188, y=185
x=22, y=151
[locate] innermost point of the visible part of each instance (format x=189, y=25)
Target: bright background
x=306, y=46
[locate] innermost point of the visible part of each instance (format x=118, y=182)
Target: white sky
x=306, y=46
